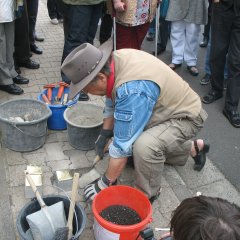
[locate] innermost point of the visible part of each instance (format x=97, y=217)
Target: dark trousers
x=105, y=28
x=207, y=28
x=32, y=6
x=22, y=44
x=53, y=10
x=164, y=30
x=225, y=30
x=80, y=26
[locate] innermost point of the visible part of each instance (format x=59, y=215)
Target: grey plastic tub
x=84, y=123
x=79, y=223
x=28, y=135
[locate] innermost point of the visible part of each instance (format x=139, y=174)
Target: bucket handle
x=15, y=126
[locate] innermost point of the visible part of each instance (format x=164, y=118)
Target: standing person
x=150, y=110
x=80, y=24
x=186, y=16
x=8, y=76
x=133, y=18
x=225, y=30
x=22, y=55
x=53, y=12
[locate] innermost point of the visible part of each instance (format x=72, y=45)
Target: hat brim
x=106, y=49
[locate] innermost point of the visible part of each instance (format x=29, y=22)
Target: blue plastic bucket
x=57, y=121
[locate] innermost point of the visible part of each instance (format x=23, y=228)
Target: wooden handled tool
x=72, y=204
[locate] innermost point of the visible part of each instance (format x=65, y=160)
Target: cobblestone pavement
x=57, y=154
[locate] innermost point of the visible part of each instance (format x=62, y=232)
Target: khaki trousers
x=168, y=142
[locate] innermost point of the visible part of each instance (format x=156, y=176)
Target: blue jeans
x=207, y=64
x=134, y=105
x=80, y=26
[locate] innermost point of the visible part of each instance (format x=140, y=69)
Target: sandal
x=193, y=70
x=200, y=158
x=173, y=66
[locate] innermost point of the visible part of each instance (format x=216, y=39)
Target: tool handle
x=60, y=92
x=49, y=94
x=45, y=99
x=34, y=188
x=97, y=158
x=72, y=204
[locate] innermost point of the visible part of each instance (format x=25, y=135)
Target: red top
x=110, y=80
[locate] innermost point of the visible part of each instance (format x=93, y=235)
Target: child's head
x=206, y=218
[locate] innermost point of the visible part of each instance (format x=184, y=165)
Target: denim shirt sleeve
x=134, y=105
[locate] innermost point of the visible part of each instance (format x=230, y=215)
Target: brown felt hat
x=83, y=64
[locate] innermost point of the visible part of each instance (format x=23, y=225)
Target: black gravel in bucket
x=120, y=215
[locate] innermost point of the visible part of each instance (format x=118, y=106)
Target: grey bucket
x=24, y=136
x=84, y=123
x=79, y=222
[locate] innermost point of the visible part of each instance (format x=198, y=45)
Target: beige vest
x=176, y=100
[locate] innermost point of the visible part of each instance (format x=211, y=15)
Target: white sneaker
x=54, y=21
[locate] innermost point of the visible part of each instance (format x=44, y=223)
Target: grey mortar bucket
x=29, y=134
x=84, y=123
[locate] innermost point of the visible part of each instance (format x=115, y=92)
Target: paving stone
x=14, y=158
x=35, y=159
x=16, y=174
x=194, y=179
x=59, y=165
x=54, y=152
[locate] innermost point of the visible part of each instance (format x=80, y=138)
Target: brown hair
x=206, y=218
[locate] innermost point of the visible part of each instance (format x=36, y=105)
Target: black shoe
x=20, y=80
x=83, y=96
x=159, y=51
x=29, y=64
x=233, y=117
x=206, y=79
x=200, y=158
x=204, y=42
x=211, y=97
x=39, y=39
x=35, y=49
x=12, y=89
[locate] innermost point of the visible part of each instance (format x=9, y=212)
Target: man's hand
x=102, y=140
x=91, y=190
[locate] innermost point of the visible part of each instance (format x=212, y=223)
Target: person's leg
x=233, y=83
x=105, y=28
x=163, y=34
x=32, y=7
x=191, y=44
x=5, y=75
x=51, y=6
x=22, y=44
x=161, y=144
x=96, y=13
x=220, y=39
x=177, y=38
x=123, y=36
x=141, y=32
x=151, y=30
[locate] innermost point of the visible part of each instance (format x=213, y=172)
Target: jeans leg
x=96, y=14
x=163, y=33
x=207, y=63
